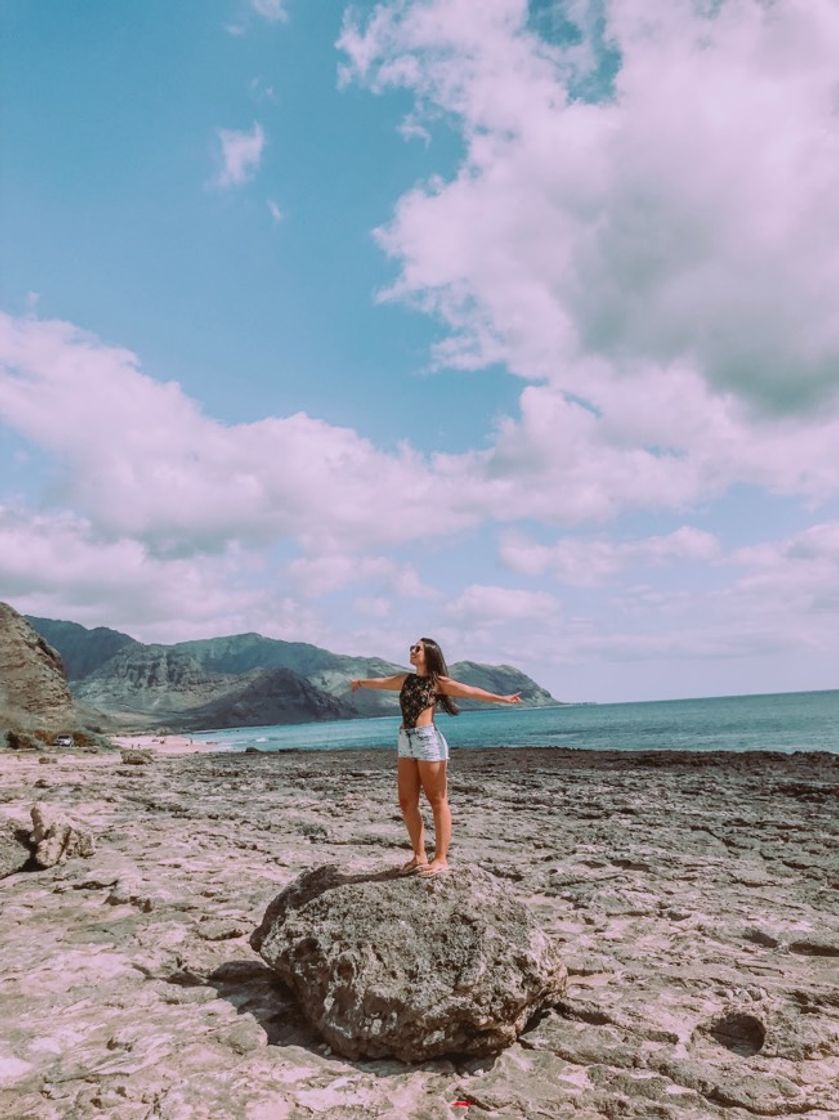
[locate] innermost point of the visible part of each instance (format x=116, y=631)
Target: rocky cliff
x=33, y=688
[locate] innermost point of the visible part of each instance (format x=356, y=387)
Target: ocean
x=788, y=721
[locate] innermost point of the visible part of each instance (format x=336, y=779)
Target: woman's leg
x=408, y=782
x=432, y=775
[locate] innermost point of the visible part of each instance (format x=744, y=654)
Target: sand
x=166, y=744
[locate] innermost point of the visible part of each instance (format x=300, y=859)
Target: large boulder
x=416, y=968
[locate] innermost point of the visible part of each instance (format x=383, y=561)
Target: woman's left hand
x=513, y=698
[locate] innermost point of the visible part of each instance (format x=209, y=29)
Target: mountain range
x=242, y=680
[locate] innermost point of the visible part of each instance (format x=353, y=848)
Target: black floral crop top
x=417, y=694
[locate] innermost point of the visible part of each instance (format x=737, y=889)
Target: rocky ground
x=694, y=897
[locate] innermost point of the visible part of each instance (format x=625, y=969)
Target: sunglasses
x=416, y=649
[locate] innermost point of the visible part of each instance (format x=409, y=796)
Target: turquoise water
x=789, y=721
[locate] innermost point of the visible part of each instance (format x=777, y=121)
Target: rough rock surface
x=386, y=965
x=694, y=896
x=15, y=849
x=33, y=688
x=55, y=839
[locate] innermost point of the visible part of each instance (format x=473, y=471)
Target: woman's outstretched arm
x=469, y=692
x=394, y=683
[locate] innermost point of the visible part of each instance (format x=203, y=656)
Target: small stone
x=761, y=937
x=134, y=757
x=55, y=839
x=245, y=1037
x=817, y=946
x=222, y=929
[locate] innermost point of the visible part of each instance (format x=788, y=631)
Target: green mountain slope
x=82, y=650
x=164, y=686
x=224, y=682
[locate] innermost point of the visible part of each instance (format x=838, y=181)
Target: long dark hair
x=435, y=663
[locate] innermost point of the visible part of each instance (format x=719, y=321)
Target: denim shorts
x=425, y=744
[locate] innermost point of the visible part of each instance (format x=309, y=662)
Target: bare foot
x=436, y=867
x=413, y=865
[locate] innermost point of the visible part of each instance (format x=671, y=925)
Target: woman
x=422, y=750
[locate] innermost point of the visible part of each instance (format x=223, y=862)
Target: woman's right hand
x=356, y=684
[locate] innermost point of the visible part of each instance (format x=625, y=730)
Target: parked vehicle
x=63, y=741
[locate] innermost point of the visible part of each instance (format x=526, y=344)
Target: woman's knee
x=438, y=799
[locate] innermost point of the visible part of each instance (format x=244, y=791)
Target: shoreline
x=185, y=744
x=174, y=744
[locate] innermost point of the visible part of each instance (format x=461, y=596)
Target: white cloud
x=317, y=575
x=262, y=91
x=141, y=459
x=681, y=219
x=275, y=212
x=373, y=606
x=241, y=153
x=797, y=577
x=411, y=129
x=587, y=562
x=480, y=606
x=59, y=566
x=272, y=10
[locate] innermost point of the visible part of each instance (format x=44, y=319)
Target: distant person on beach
x=421, y=749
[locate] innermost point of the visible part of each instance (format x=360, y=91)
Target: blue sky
x=510, y=325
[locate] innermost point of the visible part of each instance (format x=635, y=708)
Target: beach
x=165, y=744
x=693, y=895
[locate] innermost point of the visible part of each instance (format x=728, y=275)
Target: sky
x=510, y=324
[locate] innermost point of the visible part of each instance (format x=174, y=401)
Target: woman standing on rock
x=422, y=750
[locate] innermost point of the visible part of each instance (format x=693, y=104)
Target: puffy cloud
x=141, y=459
x=588, y=562
x=797, y=577
x=373, y=606
x=480, y=606
x=58, y=566
x=653, y=247
x=681, y=216
x=272, y=10
x=240, y=155
x=261, y=90
x=318, y=575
